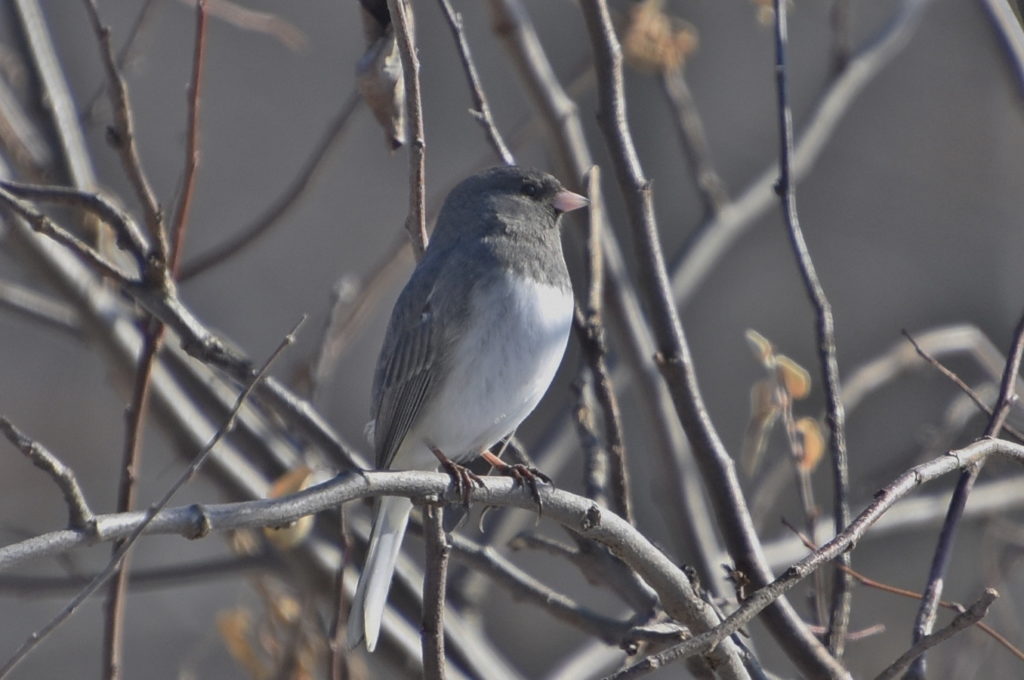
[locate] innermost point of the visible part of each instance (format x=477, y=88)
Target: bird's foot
x=462, y=477
x=522, y=475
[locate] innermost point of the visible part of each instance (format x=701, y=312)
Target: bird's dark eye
x=529, y=189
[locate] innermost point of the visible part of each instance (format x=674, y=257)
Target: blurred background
x=911, y=210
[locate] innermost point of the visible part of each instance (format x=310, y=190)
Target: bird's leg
x=462, y=477
x=524, y=475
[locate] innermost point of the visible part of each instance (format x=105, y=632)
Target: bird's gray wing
x=411, y=362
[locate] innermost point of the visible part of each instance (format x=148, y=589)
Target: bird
x=474, y=340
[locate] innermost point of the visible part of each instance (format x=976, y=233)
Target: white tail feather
x=372, y=592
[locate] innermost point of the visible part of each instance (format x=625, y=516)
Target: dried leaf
x=656, y=41
x=812, y=441
x=381, y=83
x=794, y=376
x=764, y=352
x=235, y=628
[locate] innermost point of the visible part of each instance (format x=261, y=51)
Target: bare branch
x=975, y=613
x=80, y=517
x=338, y=658
x=123, y=55
x=195, y=88
x=434, y=584
x=129, y=237
x=482, y=112
x=135, y=416
x=44, y=225
x=835, y=416
x=590, y=329
x=415, y=223
x=964, y=387
x=690, y=130
x=123, y=136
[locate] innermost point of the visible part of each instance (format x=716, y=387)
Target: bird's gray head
x=505, y=200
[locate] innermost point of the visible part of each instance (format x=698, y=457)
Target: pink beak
x=566, y=201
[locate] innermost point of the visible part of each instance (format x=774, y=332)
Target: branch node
x=201, y=526
x=591, y=519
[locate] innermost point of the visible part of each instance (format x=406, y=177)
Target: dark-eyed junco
x=473, y=343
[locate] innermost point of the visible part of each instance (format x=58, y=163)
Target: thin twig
x=835, y=416
x=591, y=332
x=80, y=517
x=38, y=636
x=415, y=223
x=135, y=416
x=122, y=136
x=195, y=88
x=975, y=613
x=964, y=387
x=595, y=458
x=287, y=200
x=129, y=237
x=690, y=130
x=435, y=580
x=482, y=112
x=44, y=225
x=944, y=547
x=122, y=55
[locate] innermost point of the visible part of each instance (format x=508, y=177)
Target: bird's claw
x=524, y=475
x=463, y=478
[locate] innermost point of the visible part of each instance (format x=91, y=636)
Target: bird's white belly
x=499, y=371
